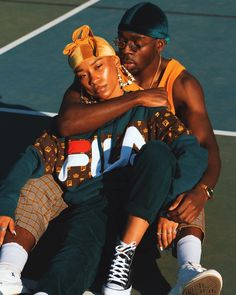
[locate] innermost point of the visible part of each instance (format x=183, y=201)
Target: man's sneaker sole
x=109, y=291
x=207, y=283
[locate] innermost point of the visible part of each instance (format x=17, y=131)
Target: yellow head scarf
x=85, y=45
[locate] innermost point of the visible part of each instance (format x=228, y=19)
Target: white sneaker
x=193, y=279
x=10, y=282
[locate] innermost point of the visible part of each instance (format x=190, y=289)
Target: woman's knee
x=157, y=151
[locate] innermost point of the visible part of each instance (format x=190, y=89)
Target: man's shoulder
x=186, y=80
x=184, y=75
x=187, y=90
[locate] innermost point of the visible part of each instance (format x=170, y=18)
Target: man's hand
x=74, y=116
x=188, y=206
x=5, y=224
x=154, y=97
x=166, y=232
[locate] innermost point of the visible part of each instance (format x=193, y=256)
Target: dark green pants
x=140, y=190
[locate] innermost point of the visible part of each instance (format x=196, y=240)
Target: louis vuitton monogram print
x=54, y=152
x=165, y=126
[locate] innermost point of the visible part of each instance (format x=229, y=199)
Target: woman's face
x=99, y=77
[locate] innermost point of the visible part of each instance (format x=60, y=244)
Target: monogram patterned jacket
x=76, y=161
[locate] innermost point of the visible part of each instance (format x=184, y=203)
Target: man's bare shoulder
x=185, y=80
x=187, y=90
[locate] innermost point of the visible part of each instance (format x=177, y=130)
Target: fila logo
x=77, y=153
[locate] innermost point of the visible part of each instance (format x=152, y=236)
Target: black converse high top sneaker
x=119, y=280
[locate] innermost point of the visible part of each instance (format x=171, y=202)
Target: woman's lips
x=100, y=89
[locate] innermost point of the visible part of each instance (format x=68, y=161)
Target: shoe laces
x=194, y=266
x=119, y=270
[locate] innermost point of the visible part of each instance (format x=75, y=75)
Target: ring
x=3, y=228
x=169, y=233
x=159, y=234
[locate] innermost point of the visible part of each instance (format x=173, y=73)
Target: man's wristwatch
x=209, y=191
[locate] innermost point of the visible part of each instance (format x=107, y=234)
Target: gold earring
x=126, y=79
x=131, y=78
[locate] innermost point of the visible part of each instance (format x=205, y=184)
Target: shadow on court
x=17, y=132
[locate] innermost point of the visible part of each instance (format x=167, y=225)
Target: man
x=142, y=36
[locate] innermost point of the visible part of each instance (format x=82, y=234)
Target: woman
x=128, y=166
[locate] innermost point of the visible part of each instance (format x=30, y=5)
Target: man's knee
x=40, y=201
x=45, y=185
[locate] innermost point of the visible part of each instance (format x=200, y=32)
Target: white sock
x=189, y=249
x=13, y=254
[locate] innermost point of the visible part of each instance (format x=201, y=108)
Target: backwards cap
x=147, y=19
x=85, y=45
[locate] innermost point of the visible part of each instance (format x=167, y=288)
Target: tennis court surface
x=34, y=76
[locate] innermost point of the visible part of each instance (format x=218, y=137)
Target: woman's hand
x=6, y=222
x=166, y=232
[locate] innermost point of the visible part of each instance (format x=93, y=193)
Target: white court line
x=225, y=133
x=47, y=26
x=27, y=112
x=48, y=114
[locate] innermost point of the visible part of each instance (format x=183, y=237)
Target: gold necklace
x=157, y=74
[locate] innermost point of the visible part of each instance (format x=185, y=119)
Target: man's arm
x=190, y=106
x=77, y=118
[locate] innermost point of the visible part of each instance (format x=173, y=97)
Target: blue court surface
x=34, y=75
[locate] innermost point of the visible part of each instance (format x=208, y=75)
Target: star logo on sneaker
x=13, y=275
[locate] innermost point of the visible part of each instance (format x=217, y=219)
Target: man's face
x=137, y=52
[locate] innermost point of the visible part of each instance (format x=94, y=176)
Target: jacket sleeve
x=165, y=126
x=29, y=165
x=191, y=157
x=191, y=163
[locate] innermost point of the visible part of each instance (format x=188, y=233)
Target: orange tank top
x=172, y=71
